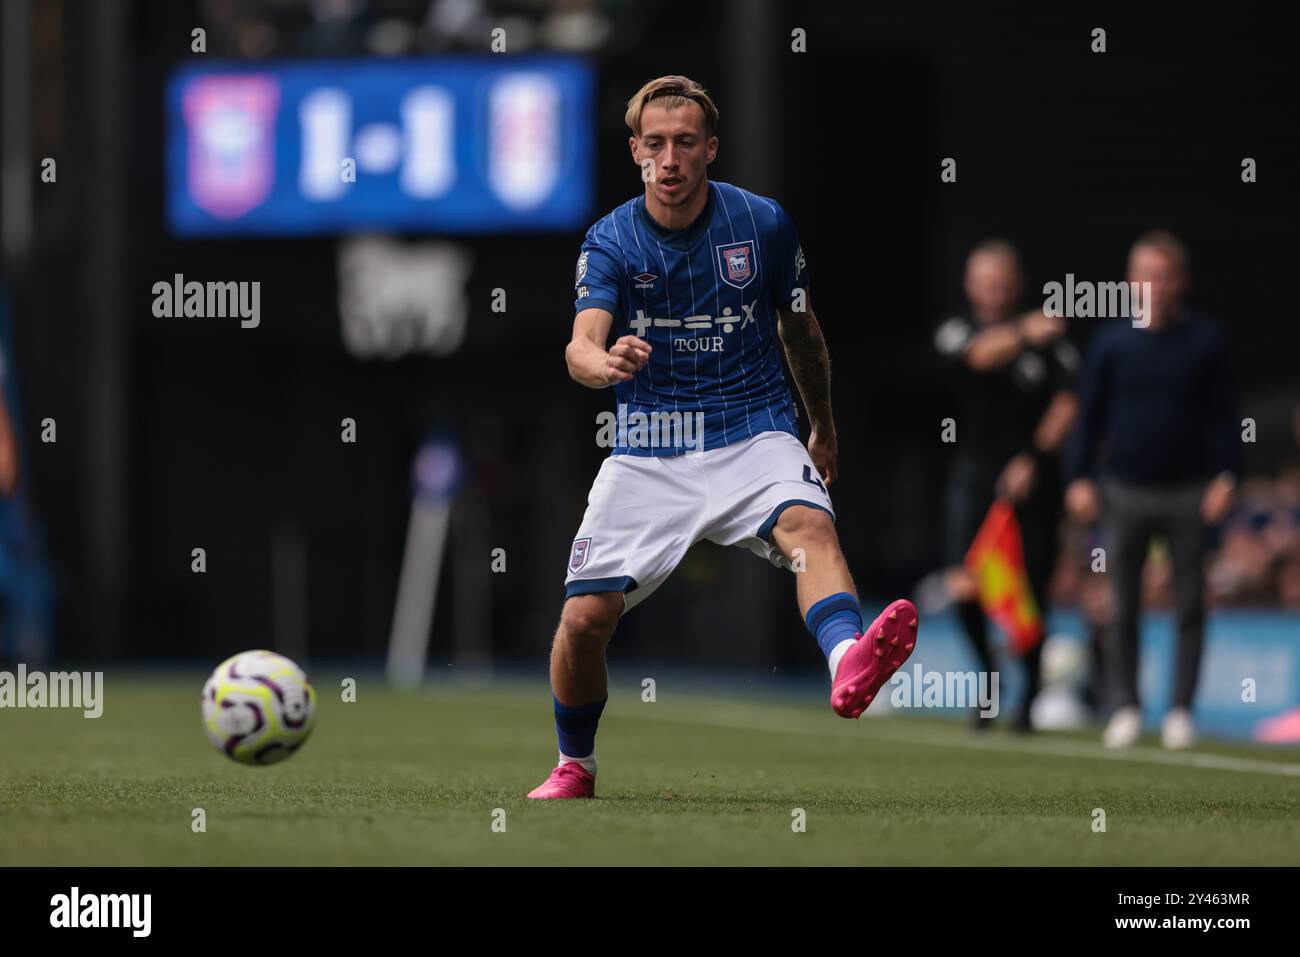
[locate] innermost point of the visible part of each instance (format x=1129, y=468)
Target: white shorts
x=644, y=512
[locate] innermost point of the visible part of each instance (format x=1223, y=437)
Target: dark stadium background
x=177, y=434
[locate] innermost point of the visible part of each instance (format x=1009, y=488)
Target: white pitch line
x=737, y=716
x=1064, y=749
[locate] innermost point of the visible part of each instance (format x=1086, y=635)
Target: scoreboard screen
x=444, y=145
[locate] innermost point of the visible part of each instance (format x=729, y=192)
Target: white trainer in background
x=1178, y=731
x=1124, y=727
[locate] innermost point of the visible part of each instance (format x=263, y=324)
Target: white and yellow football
x=258, y=708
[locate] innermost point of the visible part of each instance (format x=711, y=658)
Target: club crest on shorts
x=736, y=263
x=578, y=557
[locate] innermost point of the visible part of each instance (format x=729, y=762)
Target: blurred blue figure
x=26, y=589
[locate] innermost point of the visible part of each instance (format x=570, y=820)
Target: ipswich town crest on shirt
x=736, y=263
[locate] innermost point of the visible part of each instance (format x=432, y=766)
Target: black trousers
x=1133, y=514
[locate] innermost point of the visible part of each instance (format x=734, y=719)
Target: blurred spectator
x=1075, y=584
x=255, y=29
x=26, y=593
x=1158, y=424
x=1013, y=375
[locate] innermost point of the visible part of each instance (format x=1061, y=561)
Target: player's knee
x=808, y=528
x=590, y=618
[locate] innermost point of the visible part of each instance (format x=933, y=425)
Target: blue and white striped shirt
x=706, y=299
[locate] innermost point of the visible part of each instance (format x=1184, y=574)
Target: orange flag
x=996, y=559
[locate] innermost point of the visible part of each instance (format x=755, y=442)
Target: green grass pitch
x=415, y=778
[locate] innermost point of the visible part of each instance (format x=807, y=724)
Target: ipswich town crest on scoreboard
x=230, y=142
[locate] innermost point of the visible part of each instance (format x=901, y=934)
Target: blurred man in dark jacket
x=1158, y=430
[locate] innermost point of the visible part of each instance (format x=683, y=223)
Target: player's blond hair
x=673, y=91
x=1163, y=241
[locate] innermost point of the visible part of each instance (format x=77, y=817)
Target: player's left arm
x=801, y=338
x=810, y=364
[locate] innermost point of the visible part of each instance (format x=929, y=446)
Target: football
x=258, y=708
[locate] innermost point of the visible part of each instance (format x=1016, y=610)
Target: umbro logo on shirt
x=645, y=280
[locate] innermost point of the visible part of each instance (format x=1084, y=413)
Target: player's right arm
x=594, y=366
x=599, y=295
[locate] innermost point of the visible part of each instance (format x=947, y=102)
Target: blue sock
x=576, y=727
x=834, y=619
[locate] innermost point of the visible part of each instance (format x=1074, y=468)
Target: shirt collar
x=678, y=238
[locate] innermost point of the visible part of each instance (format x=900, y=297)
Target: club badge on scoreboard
x=231, y=156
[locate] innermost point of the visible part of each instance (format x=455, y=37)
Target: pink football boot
x=873, y=659
x=569, y=780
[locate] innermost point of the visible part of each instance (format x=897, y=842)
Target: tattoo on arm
x=805, y=350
